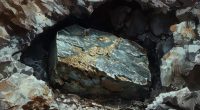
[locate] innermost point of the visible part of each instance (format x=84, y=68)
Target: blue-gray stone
x=91, y=54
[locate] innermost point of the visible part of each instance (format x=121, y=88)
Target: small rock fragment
x=182, y=99
x=184, y=32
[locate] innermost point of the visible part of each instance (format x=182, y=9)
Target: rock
x=172, y=66
x=25, y=92
x=16, y=87
x=189, y=13
x=165, y=5
x=9, y=63
x=178, y=62
x=35, y=15
x=21, y=90
x=99, y=63
x=195, y=11
x=71, y=101
x=21, y=17
x=184, y=32
x=182, y=99
x=90, y=62
x=164, y=46
x=30, y=15
x=21, y=21
x=3, y=33
x=182, y=58
x=25, y=19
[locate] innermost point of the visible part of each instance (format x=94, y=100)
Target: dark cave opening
x=147, y=27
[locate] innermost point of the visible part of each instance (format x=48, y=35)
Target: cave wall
x=21, y=21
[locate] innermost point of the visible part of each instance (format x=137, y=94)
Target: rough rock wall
x=31, y=15
x=19, y=17
x=167, y=4
x=22, y=16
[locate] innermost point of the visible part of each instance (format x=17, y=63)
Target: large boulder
x=99, y=63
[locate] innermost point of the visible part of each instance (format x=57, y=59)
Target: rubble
x=181, y=99
x=99, y=63
x=16, y=87
x=35, y=16
x=181, y=59
x=166, y=5
x=17, y=90
x=24, y=92
x=94, y=63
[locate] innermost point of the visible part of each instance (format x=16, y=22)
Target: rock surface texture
x=31, y=15
x=23, y=92
x=182, y=58
x=17, y=92
x=95, y=62
x=182, y=99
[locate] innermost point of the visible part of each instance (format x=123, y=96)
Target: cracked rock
x=99, y=63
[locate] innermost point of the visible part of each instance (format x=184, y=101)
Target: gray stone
x=182, y=58
x=181, y=99
x=115, y=63
x=19, y=89
x=184, y=32
x=36, y=15
x=9, y=63
x=178, y=62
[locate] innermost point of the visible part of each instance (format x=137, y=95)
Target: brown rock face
x=22, y=16
x=31, y=15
